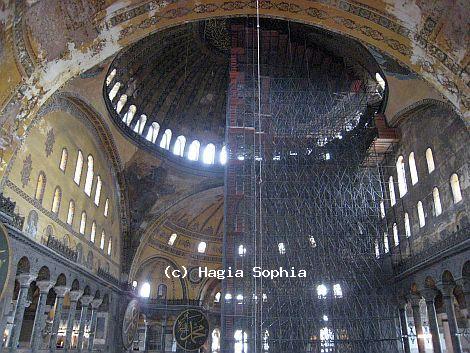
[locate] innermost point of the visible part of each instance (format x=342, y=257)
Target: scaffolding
x=302, y=188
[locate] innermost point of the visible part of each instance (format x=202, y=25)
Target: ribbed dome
x=177, y=79
x=170, y=89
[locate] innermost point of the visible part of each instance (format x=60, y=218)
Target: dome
x=168, y=92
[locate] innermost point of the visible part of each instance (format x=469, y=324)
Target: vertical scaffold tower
x=302, y=192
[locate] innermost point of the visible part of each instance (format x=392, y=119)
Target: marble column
x=415, y=301
x=24, y=280
x=86, y=300
x=59, y=302
x=429, y=294
x=94, y=311
x=446, y=331
x=404, y=325
x=40, y=318
x=448, y=297
x=74, y=296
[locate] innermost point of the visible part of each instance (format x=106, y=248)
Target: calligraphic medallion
x=191, y=329
x=130, y=323
x=5, y=259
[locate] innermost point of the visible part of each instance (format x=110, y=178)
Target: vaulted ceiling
x=68, y=46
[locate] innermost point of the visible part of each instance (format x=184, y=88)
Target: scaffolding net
x=302, y=216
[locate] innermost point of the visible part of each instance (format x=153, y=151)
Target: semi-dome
x=169, y=90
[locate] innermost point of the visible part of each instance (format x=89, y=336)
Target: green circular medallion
x=191, y=329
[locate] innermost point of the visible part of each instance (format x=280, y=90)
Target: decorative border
x=421, y=39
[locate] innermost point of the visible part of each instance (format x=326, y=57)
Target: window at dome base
x=193, y=154
x=209, y=154
x=166, y=139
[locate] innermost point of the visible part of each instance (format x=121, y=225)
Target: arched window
x=402, y=187
x=382, y=209
x=56, y=200
x=193, y=152
x=106, y=208
x=413, y=170
x=139, y=127
x=103, y=235
x=178, y=149
x=455, y=186
x=114, y=91
x=386, y=247
x=161, y=291
x=337, y=291
x=437, y=202
x=82, y=223
x=78, y=168
x=377, y=249
x=110, y=77
x=396, y=240
x=430, y=160
x=153, y=132
x=380, y=80
x=326, y=340
x=110, y=246
x=241, y=342
x=98, y=190
x=215, y=345
x=89, y=175
x=223, y=155
x=166, y=139
x=93, y=232
x=121, y=103
x=201, y=248
x=32, y=224
x=209, y=154
x=63, y=159
x=282, y=248
x=71, y=212
x=145, y=290
x=421, y=217
x=40, y=186
x=391, y=189
x=322, y=291
x=407, y=225
x=241, y=250
x=127, y=118
x=172, y=239
x=217, y=297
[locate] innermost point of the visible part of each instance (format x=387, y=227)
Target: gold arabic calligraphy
x=191, y=328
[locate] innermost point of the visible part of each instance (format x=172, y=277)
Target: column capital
x=95, y=303
x=86, y=300
x=429, y=294
x=25, y=279
x=75, y=294
x=414, y=299
x=61, y=291
x=447, y=289
x=44, y=286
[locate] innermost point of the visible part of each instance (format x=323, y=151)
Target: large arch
x=408, y=34
x=76, y=107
